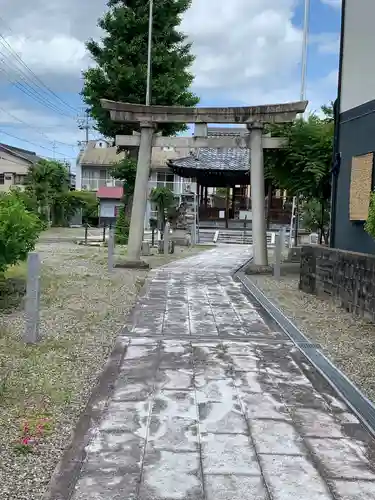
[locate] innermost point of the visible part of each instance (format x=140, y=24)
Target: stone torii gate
x=148, y=117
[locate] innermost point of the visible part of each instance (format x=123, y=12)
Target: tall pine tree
x=121, y=61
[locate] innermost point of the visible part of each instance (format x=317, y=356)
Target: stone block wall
x=347, y=278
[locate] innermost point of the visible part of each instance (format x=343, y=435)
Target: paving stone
x=276, y=437
x=173, y=433
x=175, y=379
x=301, y=396
x=232, y=487
x=228, y=454
x=143, y=341
x=127, y=417
x=172, y=475
x=249, y=382
x=174, y=403
x=218, y=391
x=317, y=423
x=133, y=391
x=342, y=458
x=355, y=490
x=107, y=486
x=140, y=352
x=293, y=478
x=221, y=418
x=245, y=363
x=112, y=442
x=262, y=406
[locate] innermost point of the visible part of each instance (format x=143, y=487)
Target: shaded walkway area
x=214, y=402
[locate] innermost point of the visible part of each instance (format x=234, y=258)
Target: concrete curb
x=361, y=406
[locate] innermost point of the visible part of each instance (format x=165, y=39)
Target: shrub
x=370, y=222
x=122, y=228
x=19, y=230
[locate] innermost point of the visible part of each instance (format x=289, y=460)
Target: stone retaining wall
x=348, y=278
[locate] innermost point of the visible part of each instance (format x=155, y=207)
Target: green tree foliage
x=370, y=222
x=126, y=171
x=27, y=198
x=67, y=203
x=316, y=217
x=121, y=61
x=164, y=201
x=19, y=230
x=46, y=181
x=303, y=167
x=122, y=228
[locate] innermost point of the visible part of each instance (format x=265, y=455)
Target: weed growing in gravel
x=32, y=431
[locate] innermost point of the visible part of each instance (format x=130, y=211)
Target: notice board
x=360, y=186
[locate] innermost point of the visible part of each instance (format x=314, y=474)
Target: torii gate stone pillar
x=149, y=116
x=259, y=225
x=140, y=192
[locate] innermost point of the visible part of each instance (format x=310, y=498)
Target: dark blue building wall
x=356, y=137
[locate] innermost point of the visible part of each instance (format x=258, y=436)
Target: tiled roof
x=222, y=159
x=21, y=153
x=225, y=159
x=110, y=193
x=105, y=157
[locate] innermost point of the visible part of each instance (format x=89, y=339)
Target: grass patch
x=36, y=379
x=13, y=287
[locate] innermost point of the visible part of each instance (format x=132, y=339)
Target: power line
x=29, y=91
x=35, y=76
x=29, y=142
x=35, y=129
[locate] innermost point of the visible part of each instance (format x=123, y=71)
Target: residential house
x=14, y=165
x=353, y=178
x=94, y=164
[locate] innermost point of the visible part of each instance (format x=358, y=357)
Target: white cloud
x=60, y=54
x=240, y=49
x=327, y=43
x=247, y=51
x=333, y=3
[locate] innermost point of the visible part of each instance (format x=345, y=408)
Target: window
x=19, y=179
x=165, y=180
x=2, y=179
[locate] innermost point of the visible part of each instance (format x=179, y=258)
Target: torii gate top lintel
x=138, y=113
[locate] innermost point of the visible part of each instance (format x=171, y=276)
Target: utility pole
x=149, y=52
x=305, y=44
x=84, y=124
x=54, y=150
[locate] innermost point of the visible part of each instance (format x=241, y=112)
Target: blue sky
x=42, y=53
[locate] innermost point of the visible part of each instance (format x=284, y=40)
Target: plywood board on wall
x=360, y=186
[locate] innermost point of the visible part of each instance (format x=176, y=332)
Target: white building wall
x=358, y=69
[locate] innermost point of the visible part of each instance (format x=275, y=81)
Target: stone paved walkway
x=213, y=402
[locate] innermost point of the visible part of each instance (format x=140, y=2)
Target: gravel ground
x=83, y=309
x=347, y=340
